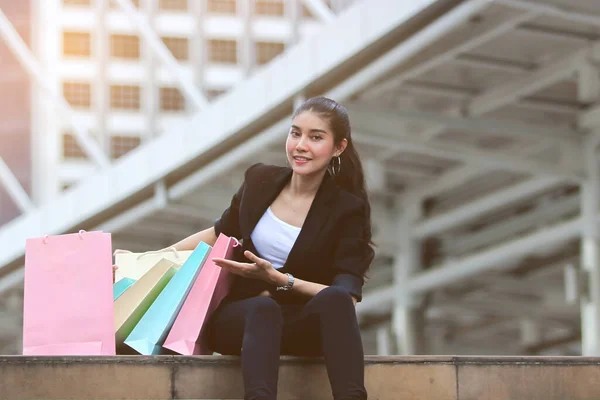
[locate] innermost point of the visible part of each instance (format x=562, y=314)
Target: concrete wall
x=394, y=378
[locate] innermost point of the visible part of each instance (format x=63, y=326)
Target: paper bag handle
x=45, y=239
x=168, y=249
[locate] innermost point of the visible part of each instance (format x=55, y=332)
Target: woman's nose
x=301, y=145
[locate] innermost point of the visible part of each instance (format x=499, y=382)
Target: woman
x=306, y=233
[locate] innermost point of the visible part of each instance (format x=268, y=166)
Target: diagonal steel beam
x=555, y=11
x=14, y=188
x=318, y=8
x=504, y=94
x=485, y=159
x=550, y=73
x=495, y=259
x=364, y=117
x=482, y=206
x=455, y=44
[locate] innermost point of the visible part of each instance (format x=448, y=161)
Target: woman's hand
x=257, y=269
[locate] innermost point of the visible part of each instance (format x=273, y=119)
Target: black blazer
x=331, y=248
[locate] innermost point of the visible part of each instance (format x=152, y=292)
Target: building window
x=171, y=99
x=222, y=51
x=266, y=51
x=221, y=6
x=136, y=4
x=173, y=5
x=212, y=94
x=125, y=97
x=121, y=145
x=77, y=44
x=269, y=7
x=71, y=149
x=78, y=94
x=77, y=2
x=178, y=47
x=125, y=46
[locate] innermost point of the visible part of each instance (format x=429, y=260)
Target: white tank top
x=274, y=238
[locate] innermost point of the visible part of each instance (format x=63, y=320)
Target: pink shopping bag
x=210, y=288
x=68, y=298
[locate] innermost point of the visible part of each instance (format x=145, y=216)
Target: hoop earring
x=335, y=171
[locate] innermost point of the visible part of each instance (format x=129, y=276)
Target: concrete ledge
x=208, y=377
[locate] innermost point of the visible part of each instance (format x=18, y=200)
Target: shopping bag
x=134, y=265
x=120, y=287
x=149, y=333
x=133, y=304
x=68, y=296
x=212, y=285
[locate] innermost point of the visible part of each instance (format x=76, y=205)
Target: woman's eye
x=317, y=137
x=294, y=133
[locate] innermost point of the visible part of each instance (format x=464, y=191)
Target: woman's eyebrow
x=312, y=130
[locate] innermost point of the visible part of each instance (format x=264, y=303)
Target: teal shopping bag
x=120, y=287
x=150, y=332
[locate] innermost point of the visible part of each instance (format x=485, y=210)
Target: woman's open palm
x=258, y=268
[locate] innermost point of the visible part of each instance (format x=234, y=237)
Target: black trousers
x=260, y=329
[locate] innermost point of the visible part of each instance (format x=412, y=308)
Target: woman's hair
x=350, y=176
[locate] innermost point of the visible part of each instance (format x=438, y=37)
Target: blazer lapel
x=317, y=216
x=267, y=191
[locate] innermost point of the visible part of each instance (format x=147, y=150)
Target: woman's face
x=310, y=144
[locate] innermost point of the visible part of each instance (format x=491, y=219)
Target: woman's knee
x=334, y=296
x=265, y=308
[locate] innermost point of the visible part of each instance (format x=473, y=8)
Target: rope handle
x=81, y=232
x=168, y=249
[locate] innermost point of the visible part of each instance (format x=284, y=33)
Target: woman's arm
x=207, y=236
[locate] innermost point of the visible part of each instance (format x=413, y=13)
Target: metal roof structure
x=477, y=121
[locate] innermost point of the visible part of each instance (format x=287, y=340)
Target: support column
x=294, y=13
x=151, y=91
x=100, y=86
x=590, y=303
x=407, y=318
x=588, y=83
x=46, y=135
x=383, y=340
x=246, y=41
x=531, y=332
x=197, y=49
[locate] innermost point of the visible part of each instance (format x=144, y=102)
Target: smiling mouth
x=298, y=158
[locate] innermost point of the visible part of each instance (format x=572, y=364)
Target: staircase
x=217, y=377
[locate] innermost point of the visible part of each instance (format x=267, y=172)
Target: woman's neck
x=305, y=185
